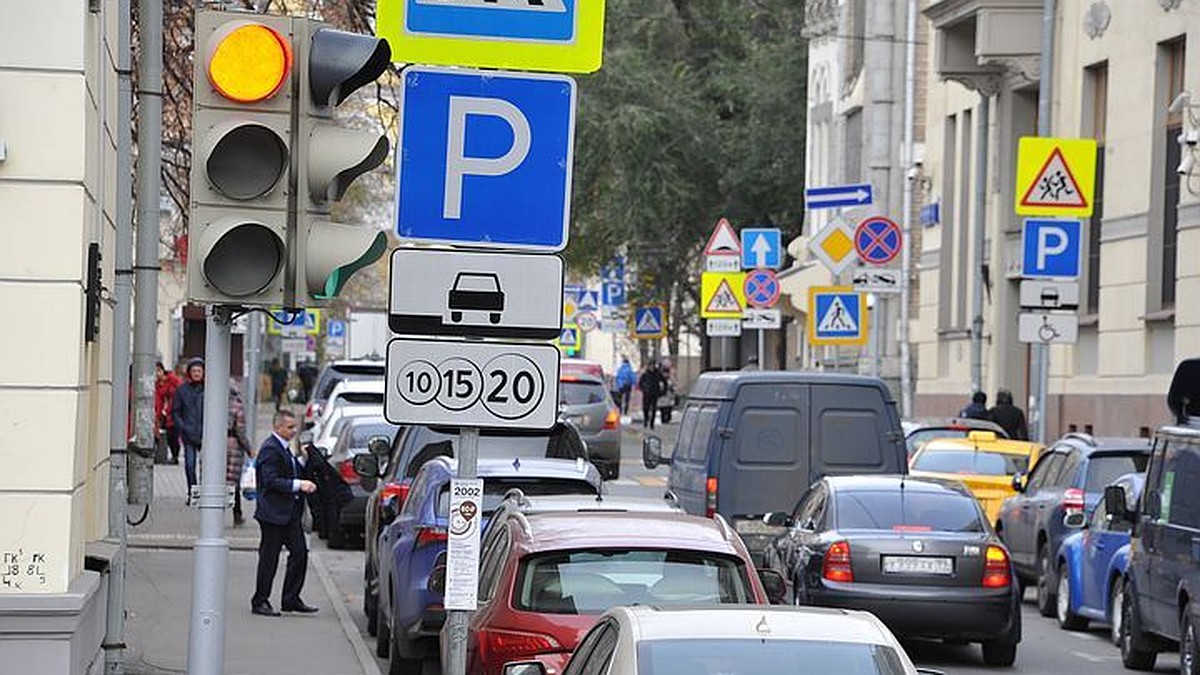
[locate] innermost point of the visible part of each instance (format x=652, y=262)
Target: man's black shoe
x=264, y=609
x=300, y=607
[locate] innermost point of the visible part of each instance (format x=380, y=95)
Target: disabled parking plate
x=907, y=564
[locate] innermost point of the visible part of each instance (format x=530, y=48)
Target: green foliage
x=698, y=113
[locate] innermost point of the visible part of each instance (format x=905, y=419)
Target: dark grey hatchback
x=917, y=553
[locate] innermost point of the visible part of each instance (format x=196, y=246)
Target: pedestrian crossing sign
x=1056, y=176
x=569, y=338
x=837, y=315
x=722, y=295
x=650, y=322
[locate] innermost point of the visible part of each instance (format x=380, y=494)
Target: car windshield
x=922, y=436
x=360, y=434
x=1102, y=470
x=910, y=511
x=756, y=656
x=494, y=490
x=592, y=581
x=977, y=462
x=340, y=373
x=581, y=393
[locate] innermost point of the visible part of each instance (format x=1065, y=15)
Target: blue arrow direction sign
x=762, y=248
x=836, y=196
x=477, y=147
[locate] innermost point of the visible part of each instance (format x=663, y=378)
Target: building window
x=949, y=225
x=962, y=287
x=1172, y=72
x=1096, y=124
x=854, y=143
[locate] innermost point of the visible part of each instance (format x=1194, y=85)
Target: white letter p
x=459, y=165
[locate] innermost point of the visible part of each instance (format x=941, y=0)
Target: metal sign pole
x=206, y=637
x=762, y=348
x=1039, y=376
x=457, y=620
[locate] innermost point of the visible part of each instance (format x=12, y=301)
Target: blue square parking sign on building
x=1051, y=248
x=485, y=158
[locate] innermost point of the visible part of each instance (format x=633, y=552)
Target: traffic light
x=333, y=64
x=268, y=161
x=241, y=131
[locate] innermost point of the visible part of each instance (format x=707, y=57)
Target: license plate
x=907, y=564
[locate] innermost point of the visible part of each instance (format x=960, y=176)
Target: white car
x=326, y=435
x=733, y=640
x=349, y=392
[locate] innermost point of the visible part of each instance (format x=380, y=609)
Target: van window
x=850, y=438
x=768, y=436
x=706, y=420
x=1180, y=478
x=687, y=428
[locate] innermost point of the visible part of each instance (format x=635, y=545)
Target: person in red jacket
x=165, y=384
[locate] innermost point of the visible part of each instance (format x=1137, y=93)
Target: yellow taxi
x=983, y=462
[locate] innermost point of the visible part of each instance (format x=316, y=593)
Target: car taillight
x=1073, y=500
x=612, y=419
x=397, y=491
x=312, y=410
x=347, y=472
x=501, y=646
x=710, y=497
x=430, y=535
x=995, y=569
x=837, y=563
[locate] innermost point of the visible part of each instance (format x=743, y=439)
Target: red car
x=546, y=578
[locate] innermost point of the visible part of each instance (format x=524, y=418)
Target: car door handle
x=1101, y=546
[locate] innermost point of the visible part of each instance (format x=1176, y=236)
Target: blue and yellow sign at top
x=562, y=36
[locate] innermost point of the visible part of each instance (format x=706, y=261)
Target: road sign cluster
x=732, y=299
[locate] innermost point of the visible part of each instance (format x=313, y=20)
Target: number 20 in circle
x=514, y=386
x=419, y=382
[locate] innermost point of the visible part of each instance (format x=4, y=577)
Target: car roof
x=346, y=363
x=522, y=466
x=888, y=483
x=1106, y=444
x=1001, y=445
x=367, y=386
x=559, y=530
x=606, y=503
x=918, y=423
x=722, y=384
x=756, y=622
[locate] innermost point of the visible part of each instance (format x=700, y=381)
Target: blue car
x=410, y=616
x=1091, y=564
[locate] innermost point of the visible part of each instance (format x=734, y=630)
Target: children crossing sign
x=837, y=315
x=1055, y=176
x=722, y=295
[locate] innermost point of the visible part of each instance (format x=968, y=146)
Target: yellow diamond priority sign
x=833, y=245
x=1056, y=176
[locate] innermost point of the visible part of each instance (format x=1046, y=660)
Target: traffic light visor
x=240, y=258
x=335, y=252
x=249, y=62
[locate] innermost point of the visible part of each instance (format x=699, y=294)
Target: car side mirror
x=1075, y=520
x=1018, y=482
x=437, y=580
x=1114, y=504
x=778, y=519
x=652, y=452
x=379, y=446
x=366, y=466
x=524, y=668
x=774, y=584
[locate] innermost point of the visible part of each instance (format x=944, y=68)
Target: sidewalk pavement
x=159, y=592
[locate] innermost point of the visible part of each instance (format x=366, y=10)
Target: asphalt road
x=1045, y=649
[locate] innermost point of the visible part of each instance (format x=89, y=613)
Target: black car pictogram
x=476, y=292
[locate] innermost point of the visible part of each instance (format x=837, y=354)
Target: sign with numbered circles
x=472, y=384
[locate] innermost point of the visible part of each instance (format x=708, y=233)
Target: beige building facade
x=58, y=199
x=1118, y=66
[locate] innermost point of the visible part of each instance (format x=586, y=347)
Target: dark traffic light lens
x=244, y=260
x=247, y=162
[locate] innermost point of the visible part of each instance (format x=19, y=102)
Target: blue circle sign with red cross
x=762, y=289
x=877, y=240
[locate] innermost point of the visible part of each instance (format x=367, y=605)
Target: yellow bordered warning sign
x=722, y=295
x=1056, y=176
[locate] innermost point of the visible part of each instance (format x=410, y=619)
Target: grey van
x=753, y=442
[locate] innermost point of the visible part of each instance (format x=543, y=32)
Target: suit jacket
x=276, y=470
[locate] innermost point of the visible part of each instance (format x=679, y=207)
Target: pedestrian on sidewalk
x=237, y=447
x=282, y=481
x=166, y=382
x=977, y=410
x=188, y=411
x=651, y=386
x=279, y=378
x=1009, y=416
x=666, y=399
x=626, y=378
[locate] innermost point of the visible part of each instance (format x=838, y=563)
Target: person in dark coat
x=977, y=410
x=651, y=386
x=282, y=482
x=279, y=379
x=187, y=409
x=237, y=446
x=307, y=372
x=1009, y=416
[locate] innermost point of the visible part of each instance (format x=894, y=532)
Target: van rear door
x=764, y=459
x=855, y=430
x=689, y=462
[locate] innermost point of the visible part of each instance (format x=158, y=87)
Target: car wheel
x=1132, y=656
x=1046, y=600
x=1067, y=619
x=399, y=664
x=614, y=470
x=383, y=634
x=999, y=653
x=1116, y=603
x=1189, y=650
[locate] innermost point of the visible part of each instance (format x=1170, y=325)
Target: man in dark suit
x=279, y=511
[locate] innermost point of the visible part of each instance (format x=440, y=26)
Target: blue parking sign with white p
x=612, y=293
x=1051, y=248
x=485, y=158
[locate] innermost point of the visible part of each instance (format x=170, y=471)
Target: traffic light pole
x=206, y=637
x=458, y=620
